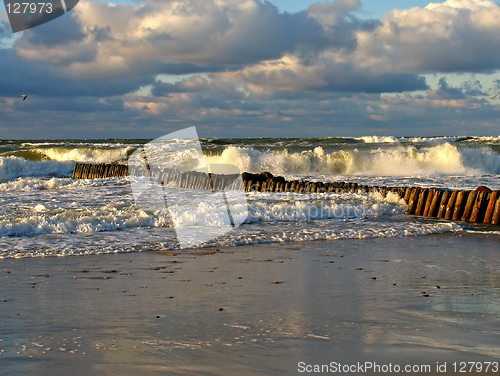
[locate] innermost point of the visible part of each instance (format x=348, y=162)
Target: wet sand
x=254, y=310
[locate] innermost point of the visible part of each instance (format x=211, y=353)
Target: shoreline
x=253, y=310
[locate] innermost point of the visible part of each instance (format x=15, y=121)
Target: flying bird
x=493, y=97
x=24, y=97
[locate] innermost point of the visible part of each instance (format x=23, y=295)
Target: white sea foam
x=392, y=140
x=377, y=139
x=85, y=154
x=54, y=220
x=14, y=167
x=483, y=139
x=50, y=218
x=55, y=161
x=427, y=139
x=400, y=160
x=45, y=212
x=42, y=184
x=146, y=239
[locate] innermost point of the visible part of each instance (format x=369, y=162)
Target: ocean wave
x=46, y=220
x=15, y=167
x=51, y=218
x=392, y=140
x=399, y=160
x=56, y=161
x=377, y=139
x=136, y=240
x=41, y=184
x=427, y=139
x=480, y=139
x=80, y=154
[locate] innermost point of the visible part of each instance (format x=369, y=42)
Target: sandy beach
x=255, y=310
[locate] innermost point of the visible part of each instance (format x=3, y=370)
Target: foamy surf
x=120, y=212
x=45, y=212
x=15, y=167
x=400, y=160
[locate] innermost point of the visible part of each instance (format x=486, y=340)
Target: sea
x=44, y=212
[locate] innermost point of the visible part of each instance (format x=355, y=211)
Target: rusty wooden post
x=459, y=205
x=428, y=202
x=407, y=195
x=468, y=207
x=451, y=205
x=421, y=201
x=412, y=204
x=495, y=219
x=442, y=205
x=436, y=199
x=477, y=214
x=491, y=207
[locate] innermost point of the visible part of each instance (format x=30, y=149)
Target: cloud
x=245, y=65
x=4, y=29
x=454, y=36
x=197, y=33
x=19, y=76
x=50, y=34
x=326, y=73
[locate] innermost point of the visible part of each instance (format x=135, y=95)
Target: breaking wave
x=55, y=162
x=398, y=160
x=63, y=154
x=15, y=167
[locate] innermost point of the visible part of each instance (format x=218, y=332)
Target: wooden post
x=412, y=204
x=407, y=195
x=468, y=207
x=477, y=214
x=436, y=199
x=428, y=202
x=495, y=219
x=442, y=205
x=422, y=198
x=75, y=172
x=450, y=205
x=491, y=207
x=459, y=205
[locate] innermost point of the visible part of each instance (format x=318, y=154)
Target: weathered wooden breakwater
x=476, y=206
x=96, y=171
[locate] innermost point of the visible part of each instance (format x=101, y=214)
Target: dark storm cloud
x=19, y=76
x=445, y=91
x=160, y=67
x=467, y=89
x=5, y=30
x=198, y=84
x=378, y=84
x=101, y=34
x=473, y=88
x=56, y=33
x=193, y=33
x=249, y=70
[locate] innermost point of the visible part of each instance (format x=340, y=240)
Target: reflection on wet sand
x=252, y=310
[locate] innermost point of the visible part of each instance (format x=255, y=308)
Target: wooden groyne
x=481, y=205
x=98, y=171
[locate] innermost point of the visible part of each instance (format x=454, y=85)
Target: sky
x=249, y=68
